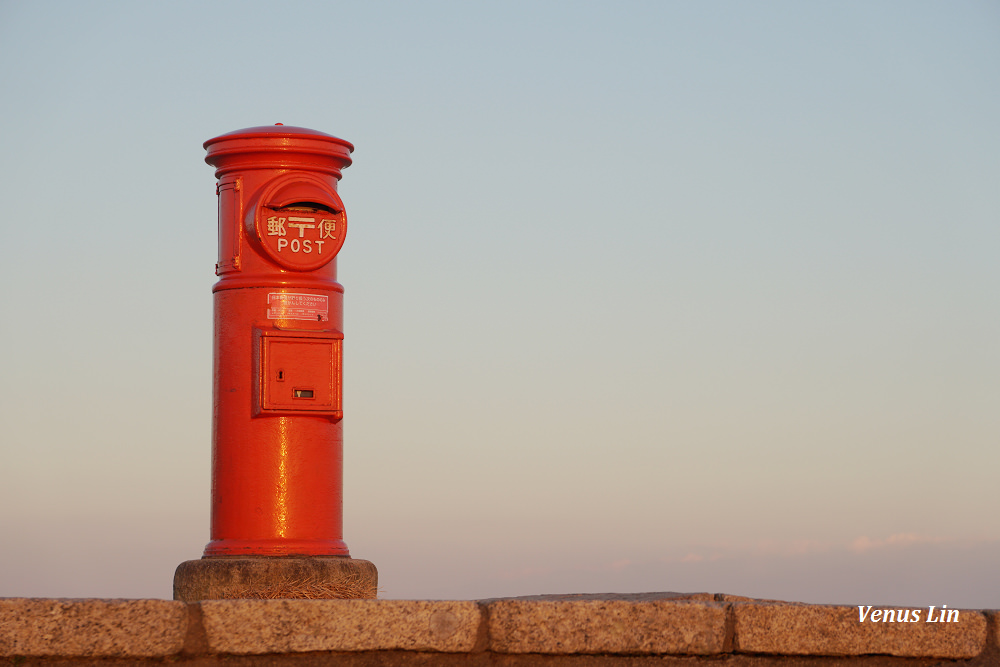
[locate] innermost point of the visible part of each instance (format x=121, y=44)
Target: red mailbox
x=276, y=436
x=277, y=445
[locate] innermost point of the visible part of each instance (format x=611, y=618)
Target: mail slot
x=298, y=221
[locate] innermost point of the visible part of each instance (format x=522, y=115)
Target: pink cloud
x=864, y=544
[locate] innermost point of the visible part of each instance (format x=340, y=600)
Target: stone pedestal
x=268, y=577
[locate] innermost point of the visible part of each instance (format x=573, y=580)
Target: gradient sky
x=640, y=296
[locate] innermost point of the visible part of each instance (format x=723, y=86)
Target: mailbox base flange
x=266, y=577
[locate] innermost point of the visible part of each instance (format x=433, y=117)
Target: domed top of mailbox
x=278, y=147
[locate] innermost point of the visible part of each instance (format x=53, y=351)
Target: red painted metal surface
x=277, y=445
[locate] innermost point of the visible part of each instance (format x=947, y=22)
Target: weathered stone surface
x=725, y=597
x=627, y=597
x=283, y=626
x=91, y=628
x=654, y=624
x=578, y=629
x=275, y=578
x=798, y=629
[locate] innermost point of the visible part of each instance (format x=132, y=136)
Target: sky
x=640, y=296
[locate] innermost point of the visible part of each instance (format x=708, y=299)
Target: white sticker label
x=286, y=306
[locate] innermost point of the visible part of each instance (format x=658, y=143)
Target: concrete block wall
x=584, y=630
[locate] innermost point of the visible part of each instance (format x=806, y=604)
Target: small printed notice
x=285, y=306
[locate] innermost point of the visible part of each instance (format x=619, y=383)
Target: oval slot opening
x=304, y=206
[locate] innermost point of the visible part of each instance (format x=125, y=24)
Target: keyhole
x=281, y=376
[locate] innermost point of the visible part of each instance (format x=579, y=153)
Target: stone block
x=794, y=629
x=292, y=626
x=91, y=628
x=315, y=577
x=646, y=624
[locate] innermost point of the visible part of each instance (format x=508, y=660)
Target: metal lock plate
x=298, y=372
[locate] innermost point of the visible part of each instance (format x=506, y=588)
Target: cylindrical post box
x=277, y=443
